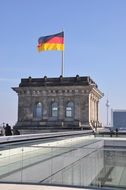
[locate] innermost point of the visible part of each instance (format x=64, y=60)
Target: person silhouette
x=117, y=132
x=8, y=130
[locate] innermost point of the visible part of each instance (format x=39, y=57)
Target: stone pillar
x=91, y=108
x=77, y=109
x=97, y=111
x=45, y=108
x=84, y=109
x=61, y=109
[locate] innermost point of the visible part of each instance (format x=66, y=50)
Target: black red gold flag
x=52, y=42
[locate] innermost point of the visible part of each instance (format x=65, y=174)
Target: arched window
x=54, y=109
x=70, y=109
x=38, y=110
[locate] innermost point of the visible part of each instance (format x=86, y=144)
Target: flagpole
x=62, y=63
x=62, y=57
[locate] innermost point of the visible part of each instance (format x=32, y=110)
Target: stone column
x=61, y=109
x=45, y=108
x=97, y=110
x=84, y=109
x=77, y=108
x=91, y=108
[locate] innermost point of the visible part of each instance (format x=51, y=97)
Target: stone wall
x=85, y=99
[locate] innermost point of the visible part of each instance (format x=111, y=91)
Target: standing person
x=8, y=130
x=117, y=132
x=111, y=132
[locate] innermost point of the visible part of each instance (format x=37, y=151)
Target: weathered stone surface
x=83, y=92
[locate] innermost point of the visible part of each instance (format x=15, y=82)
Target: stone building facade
x=57, y=103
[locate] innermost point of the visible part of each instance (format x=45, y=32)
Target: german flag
x=52, y=42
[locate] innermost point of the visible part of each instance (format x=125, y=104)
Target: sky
x=95, y=46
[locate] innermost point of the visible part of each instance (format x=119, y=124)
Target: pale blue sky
x=95, y=46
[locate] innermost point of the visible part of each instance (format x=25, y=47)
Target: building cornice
x=59, y=81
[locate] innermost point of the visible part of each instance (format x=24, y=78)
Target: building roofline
x=57, y=81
